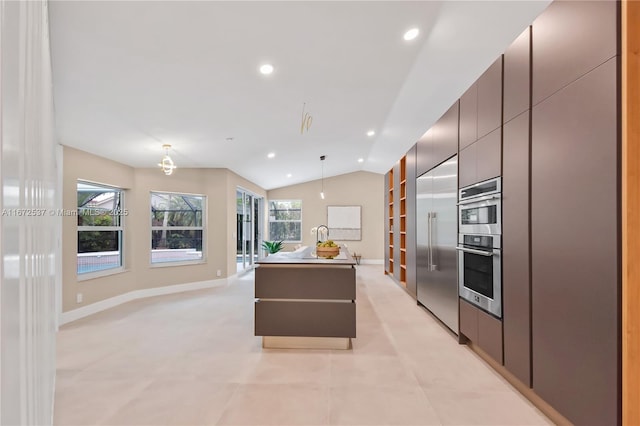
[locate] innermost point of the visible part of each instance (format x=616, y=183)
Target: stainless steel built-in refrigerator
x=436, y=238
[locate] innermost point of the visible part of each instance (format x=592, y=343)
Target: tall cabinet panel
x=411, y=220
x=516, y=266
x=575, y=248
x=516, y=285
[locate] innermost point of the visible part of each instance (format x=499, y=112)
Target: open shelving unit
x=397, y=226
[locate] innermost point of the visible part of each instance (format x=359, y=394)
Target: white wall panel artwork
x=344, y=223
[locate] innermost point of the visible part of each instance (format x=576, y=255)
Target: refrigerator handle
x=432, y=266
x=428, y=241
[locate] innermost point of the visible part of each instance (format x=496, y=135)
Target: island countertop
x=307, y=256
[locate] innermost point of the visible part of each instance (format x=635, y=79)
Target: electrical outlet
x=79, y=298
x=219, y=273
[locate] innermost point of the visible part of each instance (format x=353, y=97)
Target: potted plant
x=272, y=246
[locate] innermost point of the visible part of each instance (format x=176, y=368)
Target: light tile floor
x=192, y=359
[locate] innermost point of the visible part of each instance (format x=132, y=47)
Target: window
x=177, y=228
x=100, y=215
x=285, y=220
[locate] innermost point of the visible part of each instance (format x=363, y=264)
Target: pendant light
x=167, y=164
x=322, y=157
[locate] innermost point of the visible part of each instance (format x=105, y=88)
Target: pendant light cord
x=322, y=157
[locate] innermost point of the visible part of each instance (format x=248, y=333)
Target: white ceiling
x=131, y=76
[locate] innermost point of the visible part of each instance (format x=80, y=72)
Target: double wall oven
x=479, y=245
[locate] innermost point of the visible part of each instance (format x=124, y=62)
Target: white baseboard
x=76, y=314
x=372, y=261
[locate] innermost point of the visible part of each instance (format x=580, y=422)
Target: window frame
x=82, y=276
x=285, y=221
x=202, y=228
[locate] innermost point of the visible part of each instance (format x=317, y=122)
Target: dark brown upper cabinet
x=480, y=160
x=517, y=76
x=570, y=38
x=445, y=135
x=467, y=166
x=424, y=153
x=469, y=117
x=490, y=99
x=575, y=239
x=481, y=106
x=489, y=156
x=440, y=142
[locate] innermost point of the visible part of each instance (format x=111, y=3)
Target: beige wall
x=208, y=182
x=359, y=188
x=218, y=185
x=80, y=165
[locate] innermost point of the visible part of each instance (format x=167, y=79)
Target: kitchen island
x=306, y=301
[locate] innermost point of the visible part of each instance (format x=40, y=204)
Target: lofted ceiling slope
x=130, y=76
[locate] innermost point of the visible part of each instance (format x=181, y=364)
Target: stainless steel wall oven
x=479, y=271
x=480, y=208
x=479, y=245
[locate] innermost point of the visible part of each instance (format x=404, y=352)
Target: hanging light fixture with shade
x=167, y=164
x=322, y=157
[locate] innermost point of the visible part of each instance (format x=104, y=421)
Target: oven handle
x=479, y=199
x=474, y=251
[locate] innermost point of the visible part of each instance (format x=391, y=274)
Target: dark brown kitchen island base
x=306, y=302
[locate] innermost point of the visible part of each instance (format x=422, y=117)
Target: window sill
x=183, y=263
x=100, y=274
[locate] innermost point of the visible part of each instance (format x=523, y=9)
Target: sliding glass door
x=248, y=229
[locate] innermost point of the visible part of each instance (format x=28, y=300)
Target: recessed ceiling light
x=271, y=155
x=411, y=34
x=371, y=133
x=360, y=160
x=289, y=175
x=229, y=139
x=266, y=69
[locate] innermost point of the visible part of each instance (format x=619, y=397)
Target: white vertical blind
x=27, y=227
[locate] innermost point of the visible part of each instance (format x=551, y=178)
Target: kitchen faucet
x=318, y=232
